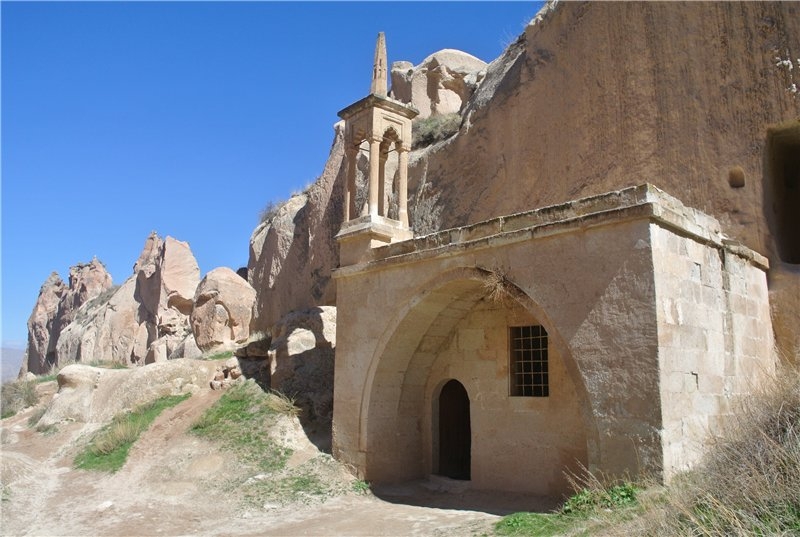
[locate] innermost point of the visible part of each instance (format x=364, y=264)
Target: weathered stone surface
x=440, y=84
x=301, y=360
x=95, y=395
x=223, y=304
x=57, y=306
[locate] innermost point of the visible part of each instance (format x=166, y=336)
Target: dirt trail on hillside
x=173, y=484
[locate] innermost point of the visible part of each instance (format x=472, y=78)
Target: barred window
x=529, y=376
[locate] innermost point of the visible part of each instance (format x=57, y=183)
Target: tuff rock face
x=441, y=84
x=223, y=304
x=146, y=319
x=56, y=307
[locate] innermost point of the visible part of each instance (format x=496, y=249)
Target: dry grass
x=748, y=484
x=17, y=395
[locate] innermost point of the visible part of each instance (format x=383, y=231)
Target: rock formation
x=223, y=304
x=56, y=307
x=440, y=84
x=146, y=319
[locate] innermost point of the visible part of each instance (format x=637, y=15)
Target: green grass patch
x=108, y=449
x=243, y=423
x=222, y=355
x=534, y=524
x=593, y=505
x=360, y=487
x=240, y=421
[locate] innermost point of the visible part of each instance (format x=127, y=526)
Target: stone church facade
x=613, y=332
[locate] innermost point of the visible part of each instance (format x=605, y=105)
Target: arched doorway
x=455, y=435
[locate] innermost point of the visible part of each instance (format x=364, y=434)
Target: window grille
x=529, y=376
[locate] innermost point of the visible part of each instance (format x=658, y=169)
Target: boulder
x=95, y=395
x=440, y=84
x=223, y=304
x=301, y=360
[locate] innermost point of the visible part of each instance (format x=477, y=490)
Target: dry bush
x=749, y=482
x=269, y=211
x=427, y=131
x=495, y=286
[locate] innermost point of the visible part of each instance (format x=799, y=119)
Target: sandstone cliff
x=699, y=99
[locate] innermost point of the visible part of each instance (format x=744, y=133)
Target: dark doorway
x=455, y=435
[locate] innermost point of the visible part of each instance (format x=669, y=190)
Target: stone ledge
x=639, y=202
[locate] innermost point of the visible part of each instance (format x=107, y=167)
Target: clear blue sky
x=185, y=118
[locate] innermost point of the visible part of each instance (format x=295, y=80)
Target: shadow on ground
x=443, y=493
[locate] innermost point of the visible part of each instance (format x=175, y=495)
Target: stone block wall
x=715, y=338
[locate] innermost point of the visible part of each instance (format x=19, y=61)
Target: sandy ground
x=171, y=486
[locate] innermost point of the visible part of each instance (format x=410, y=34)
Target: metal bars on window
x=529, y=376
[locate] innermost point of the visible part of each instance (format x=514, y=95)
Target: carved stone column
x=402, y=185
x=374, y=173
x=382, y=183
x=350, y=183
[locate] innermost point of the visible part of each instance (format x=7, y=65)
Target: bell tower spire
x=379, y=79
x=378, y=127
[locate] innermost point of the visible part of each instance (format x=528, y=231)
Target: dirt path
x=173, y=484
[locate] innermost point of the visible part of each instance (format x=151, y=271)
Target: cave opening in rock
x=783, y=169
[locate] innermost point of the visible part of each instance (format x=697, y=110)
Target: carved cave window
x=528, y=349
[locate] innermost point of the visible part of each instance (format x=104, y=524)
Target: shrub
x=269, y=212
x=432, y=129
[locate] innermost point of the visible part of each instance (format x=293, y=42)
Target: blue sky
x=185, y=118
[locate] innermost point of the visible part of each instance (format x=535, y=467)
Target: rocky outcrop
x=222, y=310
x=146, y=319
x=95, y=395
x=57, y=306
x=440, y=84
x=301, y=361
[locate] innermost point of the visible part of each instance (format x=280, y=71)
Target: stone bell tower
x=375, y=125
